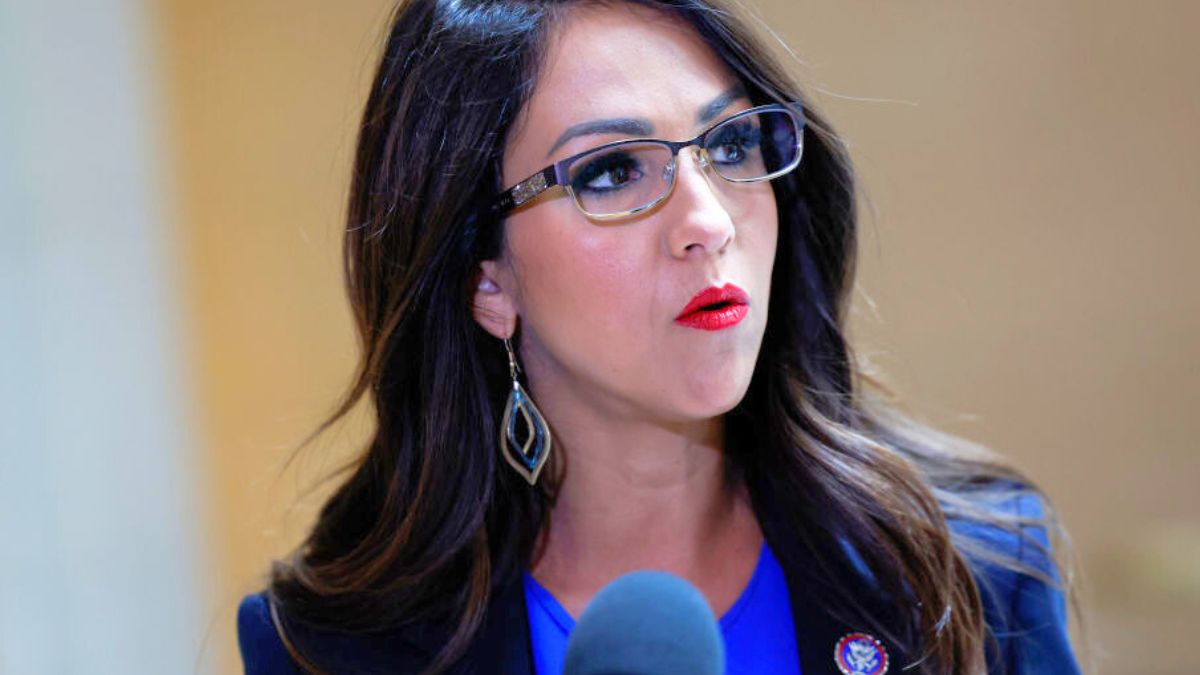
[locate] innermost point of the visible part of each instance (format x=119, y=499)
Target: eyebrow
x=709, y=112
x=634, y=126
x=637, y=126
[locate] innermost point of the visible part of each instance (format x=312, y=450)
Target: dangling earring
x=530, y=456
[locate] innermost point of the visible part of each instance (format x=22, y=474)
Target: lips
x=715, y=308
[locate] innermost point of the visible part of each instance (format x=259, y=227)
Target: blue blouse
x=758, y=629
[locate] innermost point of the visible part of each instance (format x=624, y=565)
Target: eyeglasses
x=624, y=178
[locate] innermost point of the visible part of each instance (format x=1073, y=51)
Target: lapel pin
x=860, y=654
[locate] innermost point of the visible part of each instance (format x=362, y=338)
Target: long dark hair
x=430, y=521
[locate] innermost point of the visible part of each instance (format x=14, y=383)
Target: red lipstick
x=715, y=308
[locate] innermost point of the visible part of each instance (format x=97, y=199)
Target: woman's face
x=597, y=301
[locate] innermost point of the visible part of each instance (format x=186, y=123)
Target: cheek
x=581, y=284
x=757, y=223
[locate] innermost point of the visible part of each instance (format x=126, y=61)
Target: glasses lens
x=755, y=146
x=622, y=178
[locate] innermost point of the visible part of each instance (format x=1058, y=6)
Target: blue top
x=758, y=629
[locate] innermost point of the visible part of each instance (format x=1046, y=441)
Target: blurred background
x=172, y=323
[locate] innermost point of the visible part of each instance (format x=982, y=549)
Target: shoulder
x=263, y=652
x=1019, y=582
x=1014, y=526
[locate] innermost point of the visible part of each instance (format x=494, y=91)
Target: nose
x=697, y=219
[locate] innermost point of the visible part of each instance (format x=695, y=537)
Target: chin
x=721, y=383
x=718, y=397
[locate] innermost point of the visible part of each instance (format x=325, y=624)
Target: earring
x=530, y=456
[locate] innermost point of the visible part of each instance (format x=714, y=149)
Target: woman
x=590, y=353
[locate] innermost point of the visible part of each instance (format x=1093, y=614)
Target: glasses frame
x=558, y=172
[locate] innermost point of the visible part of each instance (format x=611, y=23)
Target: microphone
x=646, y=623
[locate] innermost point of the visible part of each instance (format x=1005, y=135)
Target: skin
x=634, y=400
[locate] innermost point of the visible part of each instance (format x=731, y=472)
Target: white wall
x=100, y=563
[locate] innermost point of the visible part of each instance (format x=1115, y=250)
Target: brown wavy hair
x=430, y=521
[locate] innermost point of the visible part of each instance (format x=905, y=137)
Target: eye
x=734, y=142
x=607, y=173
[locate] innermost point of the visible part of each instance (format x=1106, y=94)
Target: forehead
x=620, y=60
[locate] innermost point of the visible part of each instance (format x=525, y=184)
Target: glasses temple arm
x=527, y=189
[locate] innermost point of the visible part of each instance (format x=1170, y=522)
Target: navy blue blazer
x=1027, y=616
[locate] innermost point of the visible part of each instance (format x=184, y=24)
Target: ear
x=492, y=306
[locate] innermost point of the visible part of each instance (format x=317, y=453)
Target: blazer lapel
x=821, y=615
x=818, y=630
x=503, y=644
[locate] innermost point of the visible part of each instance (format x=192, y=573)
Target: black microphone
x=646, y=623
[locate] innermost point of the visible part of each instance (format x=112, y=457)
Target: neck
x=642, y=495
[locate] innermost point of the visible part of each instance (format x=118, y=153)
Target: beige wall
x=263, y=101
x=1025, y=277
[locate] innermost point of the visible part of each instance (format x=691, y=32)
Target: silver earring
x=530, y=456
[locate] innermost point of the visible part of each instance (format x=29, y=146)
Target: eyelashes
x=608, y=173
x=734, y=143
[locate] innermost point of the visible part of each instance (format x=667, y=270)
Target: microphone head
x=646, y=623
